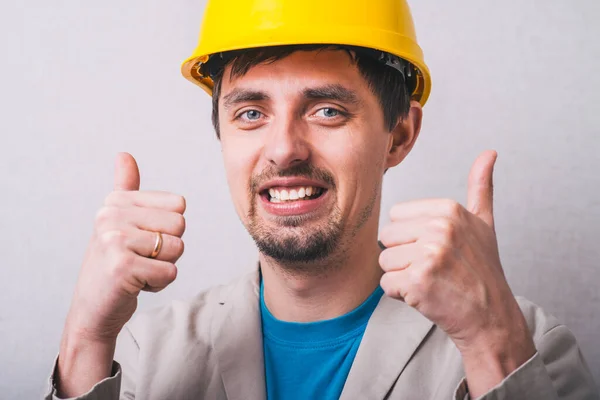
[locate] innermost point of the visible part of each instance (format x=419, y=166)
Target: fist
x=117, y=264
x=442, y=259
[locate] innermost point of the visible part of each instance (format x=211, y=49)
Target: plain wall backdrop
x=80, y=81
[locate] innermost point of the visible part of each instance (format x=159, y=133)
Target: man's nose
x=286, y=144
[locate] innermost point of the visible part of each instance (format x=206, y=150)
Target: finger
x=403, y=232
x=393, y=284
x=399, y=257
x=127, y=173
x=149, y=199
x=480, y=195
x=155, y=220
x=143, y=243
x=426, y=208
x=148, y=219
x=154, y=275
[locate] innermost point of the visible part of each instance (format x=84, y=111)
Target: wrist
x=82, y=363
x=75, y=341
x=77, y=351
x=503, y=332
x=81, y=326
x=492, y=356
x=504, y=356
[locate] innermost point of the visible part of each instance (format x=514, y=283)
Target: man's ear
x=404, y=135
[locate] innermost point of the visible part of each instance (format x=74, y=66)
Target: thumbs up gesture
x=117, y=265
x=442, y=259
x=134, y=247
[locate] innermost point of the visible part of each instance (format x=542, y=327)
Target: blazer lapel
x=393, y=334
x=238, y=341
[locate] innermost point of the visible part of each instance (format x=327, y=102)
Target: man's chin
x=288, y=250
x=295, y=244
x=301, y=238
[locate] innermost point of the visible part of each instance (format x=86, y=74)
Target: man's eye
x=328, y=112
x=250, y=115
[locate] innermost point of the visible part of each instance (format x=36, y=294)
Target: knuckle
x=122, y=265
x=113, y=198
x=388, y=286
x=429, y=262
x=125, y=260
x=411, y=300
x=104, y=215
x=421, y=280
x=452, y=208
x=435, y=259
x=113, y=239
x=433, y=251
x=444, y=225
x=449, y=231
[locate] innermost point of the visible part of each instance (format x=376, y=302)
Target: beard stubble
x=292, y=244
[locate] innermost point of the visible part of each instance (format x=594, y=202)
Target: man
x=313, y=102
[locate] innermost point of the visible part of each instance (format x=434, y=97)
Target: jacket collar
x=392, y=336
x=237, y=340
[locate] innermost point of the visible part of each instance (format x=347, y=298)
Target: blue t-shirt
x=312, y=360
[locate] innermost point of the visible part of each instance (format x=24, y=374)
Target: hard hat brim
x=401, y=46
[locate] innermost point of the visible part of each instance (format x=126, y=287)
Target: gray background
x=83, y=80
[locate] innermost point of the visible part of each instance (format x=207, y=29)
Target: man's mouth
x=281, y=194
x=289, y=196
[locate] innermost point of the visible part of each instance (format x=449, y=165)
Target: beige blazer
x=211, y=348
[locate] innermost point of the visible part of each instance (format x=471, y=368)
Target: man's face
x=305, y=149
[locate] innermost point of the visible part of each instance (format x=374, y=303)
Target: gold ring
x=157, y=245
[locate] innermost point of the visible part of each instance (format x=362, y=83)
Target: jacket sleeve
x=556, y=371
x=120, y=385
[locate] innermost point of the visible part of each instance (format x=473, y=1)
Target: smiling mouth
x=289, y=194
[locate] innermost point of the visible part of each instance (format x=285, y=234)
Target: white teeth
x=277, y=196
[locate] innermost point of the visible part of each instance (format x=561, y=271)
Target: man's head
x=320, y=126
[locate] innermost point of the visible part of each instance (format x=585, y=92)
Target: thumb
x=127, y=174
x=480, y=193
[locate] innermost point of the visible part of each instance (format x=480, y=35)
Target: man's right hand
x=116, y=268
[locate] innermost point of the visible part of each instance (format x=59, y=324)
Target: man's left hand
x=443, y=260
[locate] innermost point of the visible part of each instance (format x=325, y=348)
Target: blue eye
x=251, y=115
x=328, y=112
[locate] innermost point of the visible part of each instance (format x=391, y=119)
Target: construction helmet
x=384, y=26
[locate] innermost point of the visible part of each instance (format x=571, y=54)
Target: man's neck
x=336, y=290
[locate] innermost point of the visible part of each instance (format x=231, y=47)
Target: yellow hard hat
x=384, y=25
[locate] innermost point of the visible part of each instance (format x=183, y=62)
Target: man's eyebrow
x=238, y=96
x=332, y=92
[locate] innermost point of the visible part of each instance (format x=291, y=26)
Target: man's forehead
x=299, y=71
